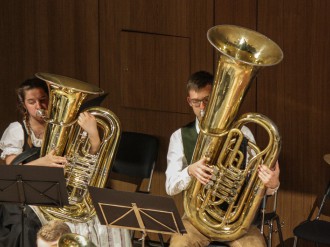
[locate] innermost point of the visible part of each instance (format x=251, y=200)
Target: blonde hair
x=53, y=230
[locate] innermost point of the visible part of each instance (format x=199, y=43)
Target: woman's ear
x=21, y=100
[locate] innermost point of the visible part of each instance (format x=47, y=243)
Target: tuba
x=74, y=240
x=224, y=209
x=67, y=138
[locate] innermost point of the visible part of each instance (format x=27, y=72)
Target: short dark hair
x=199, y=80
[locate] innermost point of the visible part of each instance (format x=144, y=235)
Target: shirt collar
x=197, y=125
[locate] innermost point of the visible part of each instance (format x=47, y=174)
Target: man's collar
x=197, y=125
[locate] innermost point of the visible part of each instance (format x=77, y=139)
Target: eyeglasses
x=197, y=102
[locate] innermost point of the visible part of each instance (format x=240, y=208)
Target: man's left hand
x=269, y=177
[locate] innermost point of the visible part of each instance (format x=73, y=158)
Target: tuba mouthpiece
x=41, y=113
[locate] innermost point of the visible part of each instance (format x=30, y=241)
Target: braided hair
x=20, y=92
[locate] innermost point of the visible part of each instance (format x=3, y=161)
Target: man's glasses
x=197, y=102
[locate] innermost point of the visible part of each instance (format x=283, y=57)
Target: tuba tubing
x=63, y=134
x=224, y=209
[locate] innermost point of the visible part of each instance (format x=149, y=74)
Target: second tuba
x=224, y=209
x=67, y=138
x=74, y=240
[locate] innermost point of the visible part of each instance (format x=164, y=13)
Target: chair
x=268, y=220
x=136, y=157
x=314, y=230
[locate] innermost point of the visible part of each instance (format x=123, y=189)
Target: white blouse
x=12, y=140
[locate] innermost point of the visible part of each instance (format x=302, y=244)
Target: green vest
x=189, y=139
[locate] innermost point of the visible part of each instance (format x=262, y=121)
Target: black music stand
x=32, y=185
x=137, y=211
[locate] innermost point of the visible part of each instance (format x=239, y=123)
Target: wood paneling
x=161, y=42
x=169, y=17
x=297, y=100
x=153, y=71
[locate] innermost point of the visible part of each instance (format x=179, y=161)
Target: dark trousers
x=11, y=226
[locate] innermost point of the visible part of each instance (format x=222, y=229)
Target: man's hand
x=201, y=171
x=269, y=177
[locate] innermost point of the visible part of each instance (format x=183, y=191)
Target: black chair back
x=314, y=230
x=136, y=156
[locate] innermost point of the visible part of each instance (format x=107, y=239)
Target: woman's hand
x=88, y=122
x=50, y=160
x=201, y=171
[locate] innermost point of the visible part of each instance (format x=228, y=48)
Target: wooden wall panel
x=159, y=17
x=149, y=63
x=65, y=44
x=297, y=100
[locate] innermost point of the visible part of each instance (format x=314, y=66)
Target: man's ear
x=188, y=100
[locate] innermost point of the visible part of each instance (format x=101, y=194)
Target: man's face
x=198, y=100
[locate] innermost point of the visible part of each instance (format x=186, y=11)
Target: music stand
x=137, y=211
x=32, y=185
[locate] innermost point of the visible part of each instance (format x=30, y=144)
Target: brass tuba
x=74, y=240
x=63, y=134
x=224, y=209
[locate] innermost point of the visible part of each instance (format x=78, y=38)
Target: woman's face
x=35, y=99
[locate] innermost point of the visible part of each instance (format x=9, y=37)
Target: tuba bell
x=67, y=138
x=224, y=209
x=74, y=240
